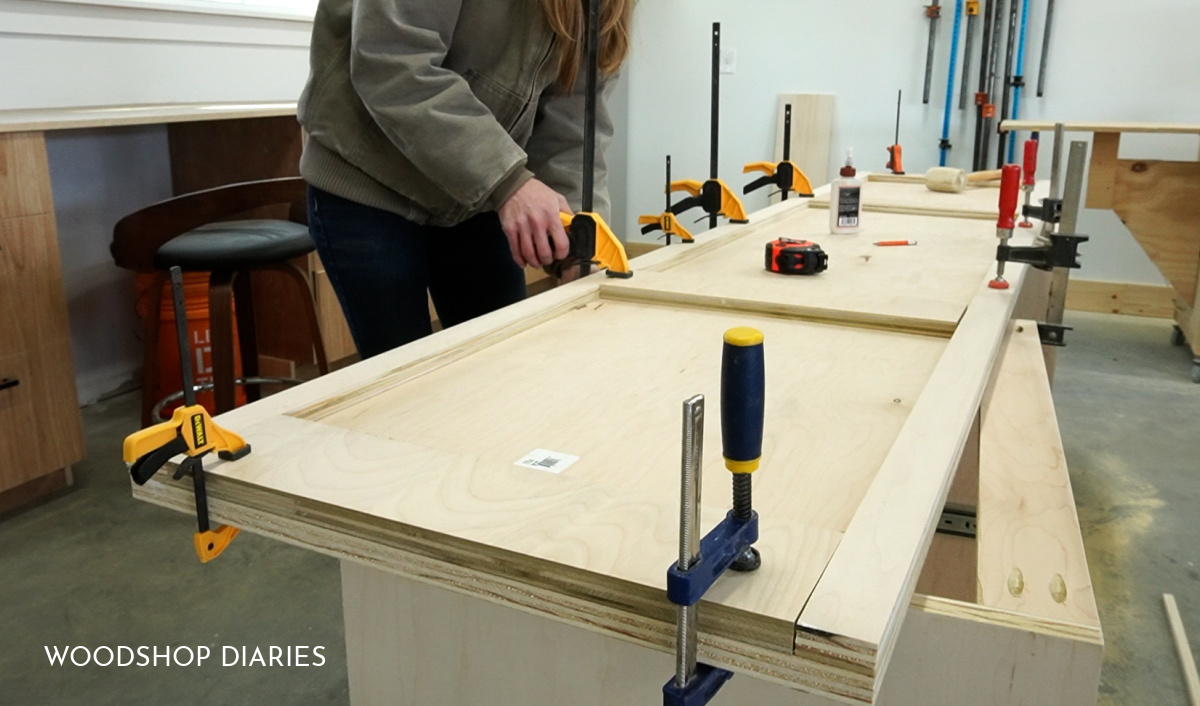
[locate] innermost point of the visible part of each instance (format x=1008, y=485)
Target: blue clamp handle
x=700, y=690
x=718, y=550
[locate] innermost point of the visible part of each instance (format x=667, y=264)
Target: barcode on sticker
x=550, y=461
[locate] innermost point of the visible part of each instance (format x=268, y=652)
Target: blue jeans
x=381, y=266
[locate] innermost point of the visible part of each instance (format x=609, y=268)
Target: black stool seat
x=234, y=245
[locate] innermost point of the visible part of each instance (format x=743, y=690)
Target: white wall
x=55, y=54
x=97, y=177
x=1109, y=61
x=58, y=54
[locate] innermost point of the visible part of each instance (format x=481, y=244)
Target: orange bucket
x=195, y=302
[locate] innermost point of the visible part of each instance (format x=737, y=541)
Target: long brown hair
x=566, y=19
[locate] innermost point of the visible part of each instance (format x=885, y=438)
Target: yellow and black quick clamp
x=593, y=242
x=590, y=239
x=191, y=432
x=785, y=175
x=666, y=221
x=713, y=196
x=668, y=224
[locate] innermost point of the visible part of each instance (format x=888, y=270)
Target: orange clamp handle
x=767, y=168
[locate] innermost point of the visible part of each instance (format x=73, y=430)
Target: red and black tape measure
x=796, y=257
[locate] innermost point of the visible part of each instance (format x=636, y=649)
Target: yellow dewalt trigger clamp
x=713, y=196
x=192, y=433
x=668, y=224
x=785, y=174
x=590, y=239
x=593, y=242
x=666, y=221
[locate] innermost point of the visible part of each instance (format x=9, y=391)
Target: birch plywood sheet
x=885, y=193
x=434, y=448
x=1031, y=555
x=924, y=287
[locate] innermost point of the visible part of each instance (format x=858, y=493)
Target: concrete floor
x=94, y=567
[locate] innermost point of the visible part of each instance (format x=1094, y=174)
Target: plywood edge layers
x=594, y=602
x=1077, y=632
x=854, y=614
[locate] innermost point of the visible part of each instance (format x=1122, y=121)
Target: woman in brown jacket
x=444, y=138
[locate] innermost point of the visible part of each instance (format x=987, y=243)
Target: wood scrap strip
x=1183, y=647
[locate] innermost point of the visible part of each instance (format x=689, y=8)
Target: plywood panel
x=1160, y=204
x=812, y=133
x=414, y=643
x=955, y=653
x=924, y=287
x=1031, y=557
x=614, y=512
x=1121, y=298
x=410, y=643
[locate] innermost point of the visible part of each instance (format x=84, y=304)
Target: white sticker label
x=550, y=461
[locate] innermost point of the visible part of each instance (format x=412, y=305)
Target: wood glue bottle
x=845, y=200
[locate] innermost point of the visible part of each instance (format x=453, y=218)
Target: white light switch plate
x=728, y=60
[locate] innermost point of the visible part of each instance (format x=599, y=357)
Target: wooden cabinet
x=40, y=430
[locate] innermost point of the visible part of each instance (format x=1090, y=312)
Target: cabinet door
x=40, y=429
x=20, y=443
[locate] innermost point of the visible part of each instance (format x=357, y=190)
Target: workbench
x=1158, y=201
x=897, y=382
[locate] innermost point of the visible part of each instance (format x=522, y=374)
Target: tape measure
x=796, y=257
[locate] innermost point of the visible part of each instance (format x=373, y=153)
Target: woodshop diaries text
x=185, y=656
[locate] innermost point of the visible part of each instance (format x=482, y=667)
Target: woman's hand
x=530, y=218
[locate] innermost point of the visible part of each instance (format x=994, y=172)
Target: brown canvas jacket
x=440, y=109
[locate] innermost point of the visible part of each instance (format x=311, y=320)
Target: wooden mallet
x=954, y=181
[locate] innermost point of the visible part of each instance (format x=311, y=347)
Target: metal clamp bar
x=1072, y=198
x=689, y=532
